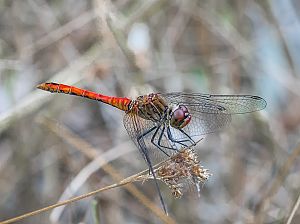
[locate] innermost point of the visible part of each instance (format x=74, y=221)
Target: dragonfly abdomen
x=121, y=103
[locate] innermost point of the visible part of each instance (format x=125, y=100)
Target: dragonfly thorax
x=150, y=107
x=154, y=107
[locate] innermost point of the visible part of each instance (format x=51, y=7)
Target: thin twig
x=121, y=40
x=95, y=209
x=293, y=211
x=68, y=42
x=87, y=171
x=60, y=32
x=78, y=143
x=36, y=99
x=144, y=9
x=36, y=212
x=277, y=182
x=242, y=46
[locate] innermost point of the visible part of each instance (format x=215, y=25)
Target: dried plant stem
x=296, y=206
x=126, y=181
x=121, y=40
x=36, y=99
x=186, y=157
x=96, y=211
x=36, y=212
x=61, y=32
x=78, y=143
x=143, y=10
x=277, y=182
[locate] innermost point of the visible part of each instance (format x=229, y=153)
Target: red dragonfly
x=172, y=120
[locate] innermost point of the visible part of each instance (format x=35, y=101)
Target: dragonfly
x=169, y=121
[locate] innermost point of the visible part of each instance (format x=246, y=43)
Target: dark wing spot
x=256, y=97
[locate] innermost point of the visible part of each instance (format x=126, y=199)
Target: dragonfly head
x=180, y=116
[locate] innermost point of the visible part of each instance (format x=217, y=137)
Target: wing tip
x=262, y=103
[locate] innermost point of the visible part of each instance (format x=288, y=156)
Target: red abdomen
x=121, y=103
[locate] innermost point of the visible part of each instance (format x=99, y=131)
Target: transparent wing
x=211, y=113
x=229, y=104
x=145, y=129
x=202, y=123
x=135, y=126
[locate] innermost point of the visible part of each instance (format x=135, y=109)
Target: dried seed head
x=180, y=170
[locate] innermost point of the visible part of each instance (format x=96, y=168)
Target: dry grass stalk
x=275, y=185
x=184, y=167
x=88, y=150
x=293, y=212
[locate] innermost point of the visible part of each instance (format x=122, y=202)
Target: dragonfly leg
x=157, y=145
x=139, y=137
x=143, y=149
x=160, y=138
x=190, y=139
x=152, y=138
x=177, y=141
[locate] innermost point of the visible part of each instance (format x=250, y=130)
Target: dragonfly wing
x=207, y=117
x=228, y=104
x=135, y=127
x=203, y=123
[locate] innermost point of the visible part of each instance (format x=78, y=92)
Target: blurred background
x=49, y=142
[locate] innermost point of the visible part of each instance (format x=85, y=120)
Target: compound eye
x=183, y=108
x=179, y=114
